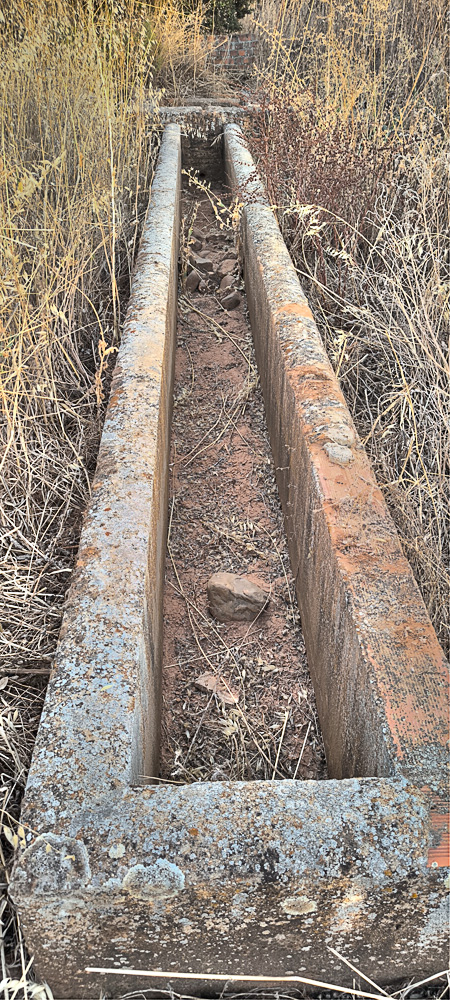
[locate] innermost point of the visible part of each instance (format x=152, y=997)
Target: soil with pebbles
x=224, y=514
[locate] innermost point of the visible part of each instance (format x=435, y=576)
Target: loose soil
x=224, y=514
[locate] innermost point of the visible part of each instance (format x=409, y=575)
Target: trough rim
x=87, y=835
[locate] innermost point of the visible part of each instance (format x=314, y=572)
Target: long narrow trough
x=237, y=878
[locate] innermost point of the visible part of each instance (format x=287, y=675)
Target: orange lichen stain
x=354, y=481
x=295, y=309
x=311, y=374
x=114, y=398
x=193, y=831
x=439, y=853
x=90, y=552
x=413, y=716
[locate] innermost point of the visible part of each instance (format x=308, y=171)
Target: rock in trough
x=231, y=301
x=192, y=281
x=235, y=598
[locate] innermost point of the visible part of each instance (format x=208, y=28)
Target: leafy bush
x=221, y=16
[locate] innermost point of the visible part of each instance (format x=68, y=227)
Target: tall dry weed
x=376, y=61
x=181, y=50
x=353, y=146
x=78, y=139
x=76, y=157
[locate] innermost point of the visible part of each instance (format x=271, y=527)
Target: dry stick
x=358, y=971
x=226, y=535
x=247, y=444
x=402, y=993
x=165, y=781
x=208, y=622
x=272, y=539
x=24, y=671
x=2, y=952
x=22, y=984
x=195, y=454
x=446, y=988
x=301, y=751
x=238, y=708
x=286, y=716
x=219, y=326
x=209, y=977
x=194, y=659
x=192, y=369
x=202, y=651
x=206, y=188
x=192, y=743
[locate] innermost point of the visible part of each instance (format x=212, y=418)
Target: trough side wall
x=99, y=728
x=379, y=673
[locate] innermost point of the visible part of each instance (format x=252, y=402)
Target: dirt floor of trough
x=260, y=721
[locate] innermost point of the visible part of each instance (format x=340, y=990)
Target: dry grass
x=353, y=148
x=76, y=162
x=378, y=61
x=180, y=51
x=75, y=174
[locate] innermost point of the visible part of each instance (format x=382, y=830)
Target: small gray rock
x=201, y=263
x=235, y=598
x=226, y=267
x=226, y=282
x=231, y=301
x=192, y=281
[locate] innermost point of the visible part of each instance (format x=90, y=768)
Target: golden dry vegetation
x=353, y=145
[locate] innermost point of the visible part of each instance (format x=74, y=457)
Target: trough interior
x=361, y=754
x=212, y=877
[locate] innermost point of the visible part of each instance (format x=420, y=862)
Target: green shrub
x=221, y=16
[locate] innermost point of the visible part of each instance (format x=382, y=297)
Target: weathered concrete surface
x=240, y=168
x=226, y=878
x=378, y=670
x=202, y=129
x=100, y=724
x=231, y=878
x=379, y=673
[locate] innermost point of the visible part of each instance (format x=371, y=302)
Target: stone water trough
x=233, y=879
